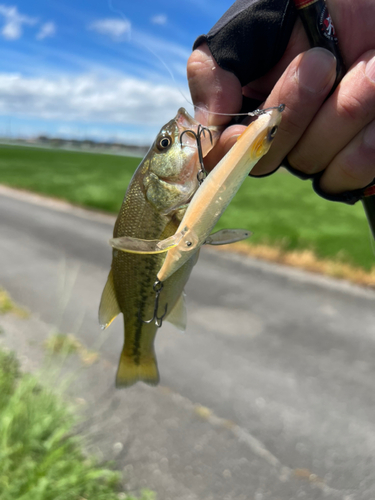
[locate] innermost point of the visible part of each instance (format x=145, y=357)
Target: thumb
x=213, y=90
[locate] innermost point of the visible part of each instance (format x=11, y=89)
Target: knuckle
x=357, y=174
x=302, y=158
x=351, y=171
x=351, y=108
x=291, y=125
x=302, y=163
x=292, y=132
x=355, y=166
x=359, y=165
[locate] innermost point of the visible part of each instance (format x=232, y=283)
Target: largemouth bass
x=153, y=207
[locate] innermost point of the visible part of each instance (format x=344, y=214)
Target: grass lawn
x=281, y=210
x=40, y=457
x=93, y=180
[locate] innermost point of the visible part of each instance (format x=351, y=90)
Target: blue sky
x=100, y=69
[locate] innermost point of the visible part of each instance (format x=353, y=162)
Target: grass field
x=40, y=457
x=281, y=210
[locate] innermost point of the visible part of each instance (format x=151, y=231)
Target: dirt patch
x=305, y=259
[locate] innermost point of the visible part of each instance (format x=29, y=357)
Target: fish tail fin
x=130, y=371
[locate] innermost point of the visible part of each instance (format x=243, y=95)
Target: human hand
x=336, y=135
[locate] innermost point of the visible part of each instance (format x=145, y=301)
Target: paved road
x=269, y=395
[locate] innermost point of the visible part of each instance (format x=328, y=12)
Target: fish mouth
x=186, y=122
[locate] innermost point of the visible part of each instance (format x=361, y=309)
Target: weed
x=40, y=457
x=8, y=306
x=66, y=344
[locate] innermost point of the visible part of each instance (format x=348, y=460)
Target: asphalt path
x=270, y=394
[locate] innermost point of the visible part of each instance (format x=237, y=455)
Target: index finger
x=213, y=89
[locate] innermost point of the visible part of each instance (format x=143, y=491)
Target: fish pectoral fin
x=109, y=307
x=226, y=236
x=129, y=372
x=137, y=245
x=177, y=315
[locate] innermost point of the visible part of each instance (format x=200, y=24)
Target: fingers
x=302, y=88
x=337, y=136
x=328, y=139
x=212, y=89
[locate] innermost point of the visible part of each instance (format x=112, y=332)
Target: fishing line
x=135, y=42
x=170, y=72
x=121, y=14
x=131, y=39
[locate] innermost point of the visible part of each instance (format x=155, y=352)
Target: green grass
x=94, y=180
x=40, y=457
x=284, y=211
x=281, y=210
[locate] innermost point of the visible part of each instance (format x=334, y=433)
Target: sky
x=112, y=70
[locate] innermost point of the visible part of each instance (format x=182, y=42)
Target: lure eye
x=164, y=143
x=273, y=131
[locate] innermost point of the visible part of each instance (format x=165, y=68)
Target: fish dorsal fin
x=178, y=316
x=109, y=307
x=226, y=236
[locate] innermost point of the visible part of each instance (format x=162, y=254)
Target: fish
x=153, y=207
x=213, y=197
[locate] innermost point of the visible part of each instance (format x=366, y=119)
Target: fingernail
x=369, y=135
x=370, y=69
x=316, y=69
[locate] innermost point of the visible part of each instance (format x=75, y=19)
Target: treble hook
x=201, y=175
x=157, y=287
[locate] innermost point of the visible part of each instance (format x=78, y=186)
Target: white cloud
x=115, y=28
x=46, y=30
x=14, y=21
x=159, y=19
x=90, y=99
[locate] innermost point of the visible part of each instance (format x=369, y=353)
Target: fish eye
x=273, y=131
x=164, y=143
